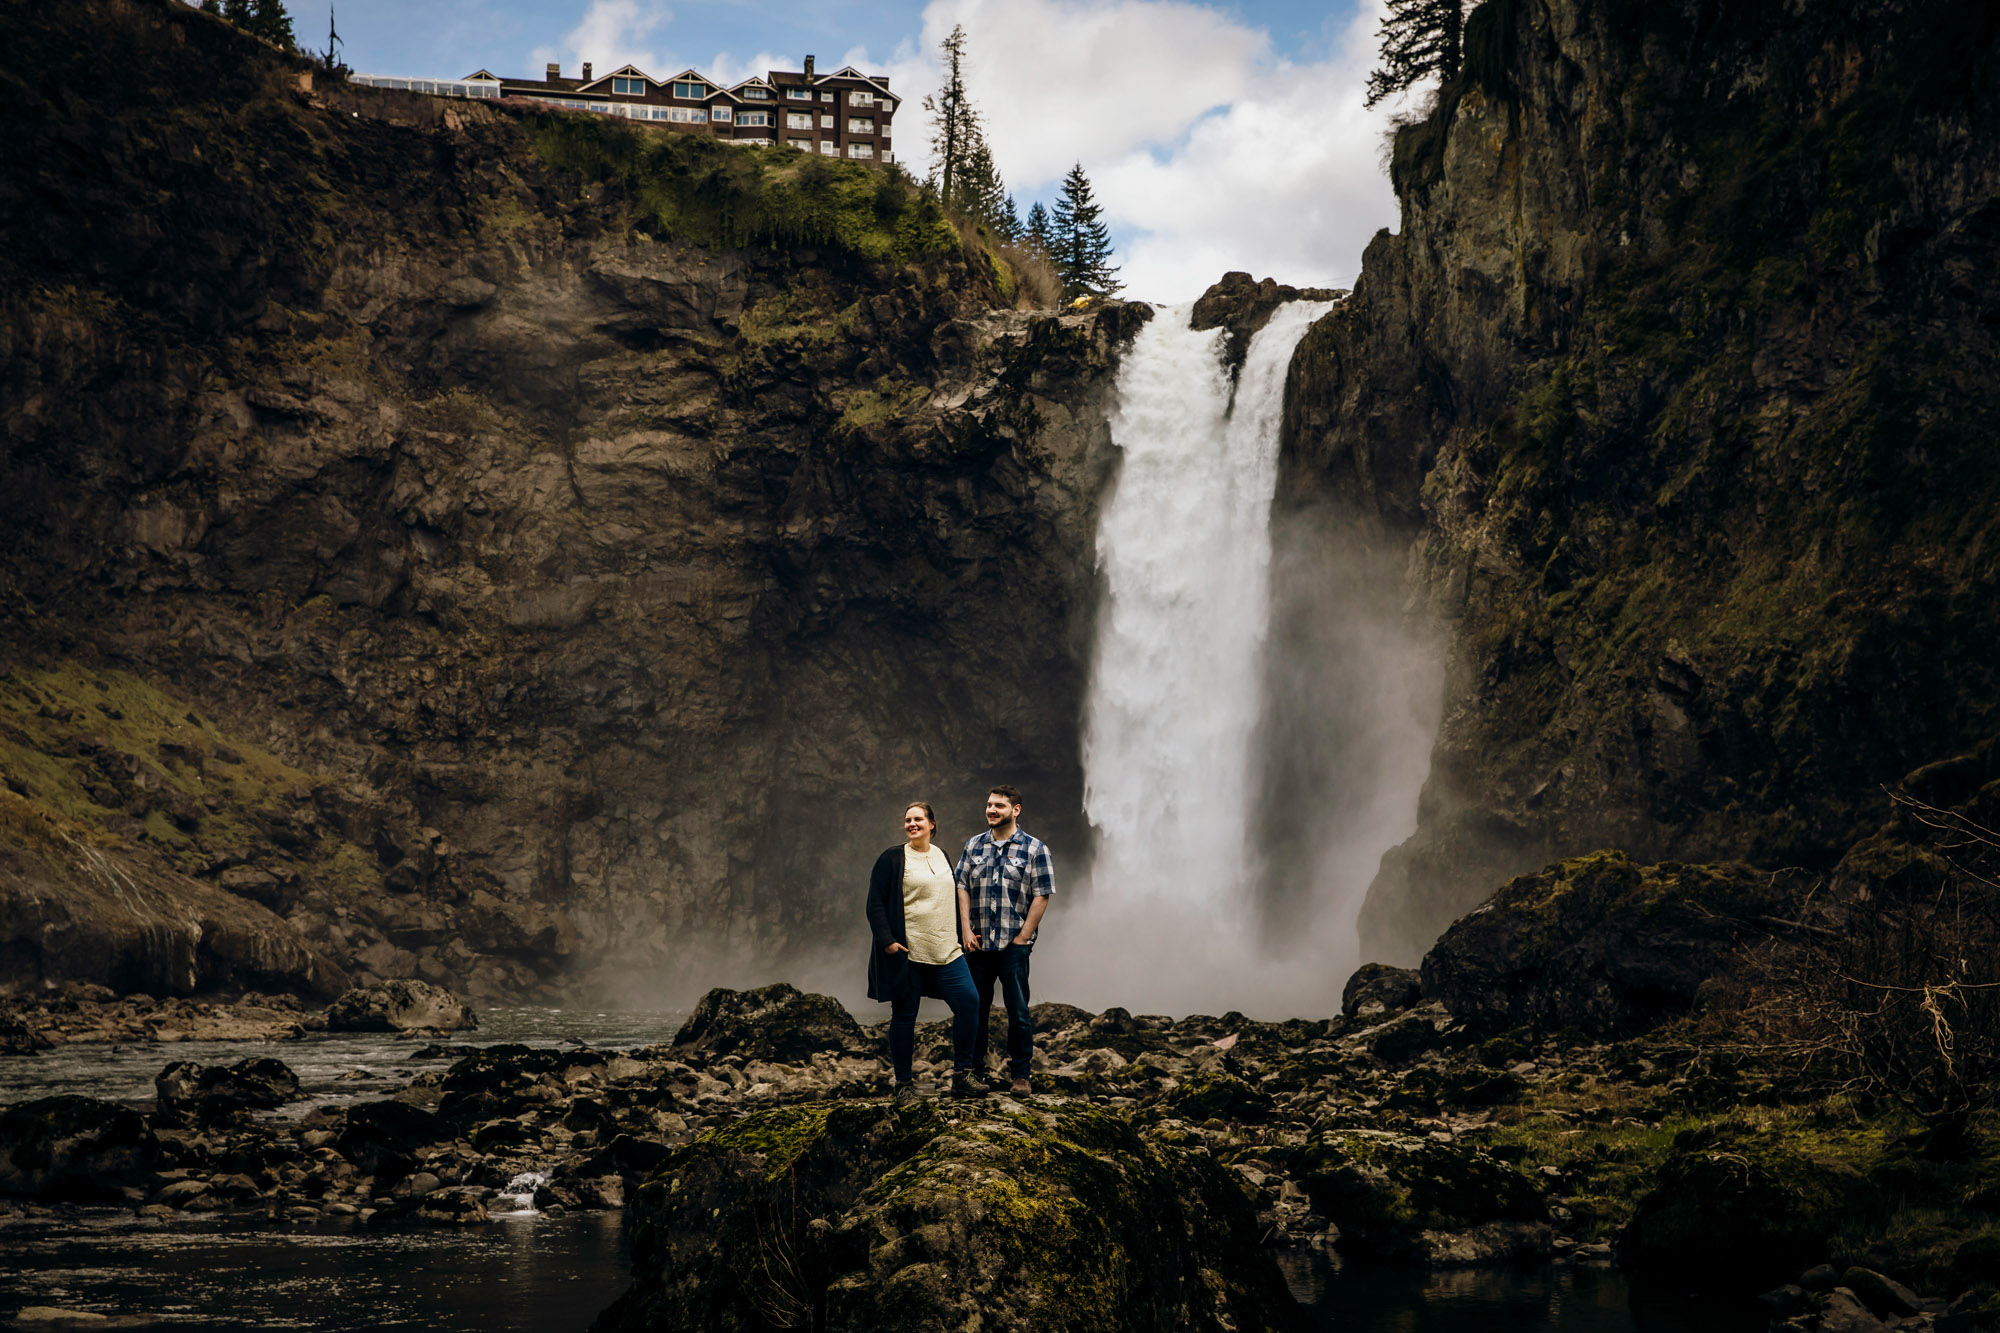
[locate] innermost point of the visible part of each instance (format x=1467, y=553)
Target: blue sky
x=1263, y=159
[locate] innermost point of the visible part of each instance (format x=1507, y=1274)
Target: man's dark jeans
x=1009, y=967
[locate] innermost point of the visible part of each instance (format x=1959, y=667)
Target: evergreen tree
x=955, y=124
x=237, y=12
x=982, y=196
x=211, y=7
x=1080, y=242
x=269, y=20
x=1420, y=38
x=1037, y=233
x=1008, y=224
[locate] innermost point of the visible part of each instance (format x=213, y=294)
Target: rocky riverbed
x=1179, y=1157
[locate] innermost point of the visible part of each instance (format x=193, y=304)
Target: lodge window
x=629, y=87
x=830, y=148
x=754, y=118
x=861, y=99
x=799, y=94
x=694, y=92
x=687, y=115
x=826, y=97
x=803, y=145
x=861, y=150
x=861, y=125
x=720, y=113
x=798, y=120
x=756, y=94
x=826, y=122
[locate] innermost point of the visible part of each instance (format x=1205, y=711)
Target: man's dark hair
x=1013, y=794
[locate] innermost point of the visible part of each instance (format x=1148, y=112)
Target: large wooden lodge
x=842, y=114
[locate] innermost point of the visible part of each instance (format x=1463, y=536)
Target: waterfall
x=1170, y=920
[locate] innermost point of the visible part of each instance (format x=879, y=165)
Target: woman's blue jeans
x=950, y=982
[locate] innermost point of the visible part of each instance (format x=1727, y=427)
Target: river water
x=529, y=1272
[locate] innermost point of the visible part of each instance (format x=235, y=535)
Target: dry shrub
x=1041, y=285
x=1897, y=979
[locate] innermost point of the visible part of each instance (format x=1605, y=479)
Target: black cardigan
x=889, y=974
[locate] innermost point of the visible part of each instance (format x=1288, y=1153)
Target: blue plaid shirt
x=1001, y=878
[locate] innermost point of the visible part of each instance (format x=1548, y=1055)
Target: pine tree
x=1420, y=38
x=269, y=20
x=1008, y=224
x=1080, y=242
x=981, y=194
x=955, y=124
x=1037, y=232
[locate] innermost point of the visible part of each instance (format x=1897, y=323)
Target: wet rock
x=916, y=1220
x=1879, y=1292
x=1408, y=1198
x=1377, y=990
x=1841, y=1311
x=1736, y=1213
x=1243, y=305
x=383, y=1139
x=212, y=1092
x=73, y=1148
x=400, y=1006
x=1598, y=943
x=1488, y=1243
x=777, y=1022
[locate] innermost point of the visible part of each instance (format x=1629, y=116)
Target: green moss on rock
x=860, y=1217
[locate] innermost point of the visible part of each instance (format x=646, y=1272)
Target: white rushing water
x=1169, y=921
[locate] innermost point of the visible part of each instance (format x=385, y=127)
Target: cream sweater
x=930, y=907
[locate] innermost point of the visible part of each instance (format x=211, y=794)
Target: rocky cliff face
x=596, y=565
x=1677, y=383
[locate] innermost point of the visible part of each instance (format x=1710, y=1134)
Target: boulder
x=1218, y=1096
x=777, y=1022
x=1377, y=990
x=399, y=1006
x=1401, y=1197
x=1730, y=1211
x=383, y=1139
x=73, y=1148
x=507, y=1079
x=212, y=1092
x=1599, y=943
x=856, y=1216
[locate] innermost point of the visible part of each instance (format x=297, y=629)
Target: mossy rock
x=1739, y=1211
x=1218, y=1097
x=1409, y=1035
x=1384, y=1191
x=845, y=1216
x=1599, y=944
x=777, y=1023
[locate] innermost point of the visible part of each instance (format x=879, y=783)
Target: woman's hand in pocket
x=893, y=947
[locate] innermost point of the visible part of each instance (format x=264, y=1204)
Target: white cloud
x=1207, y=152
x=611, y=33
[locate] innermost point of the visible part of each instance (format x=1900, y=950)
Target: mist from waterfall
x=1176, y=916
